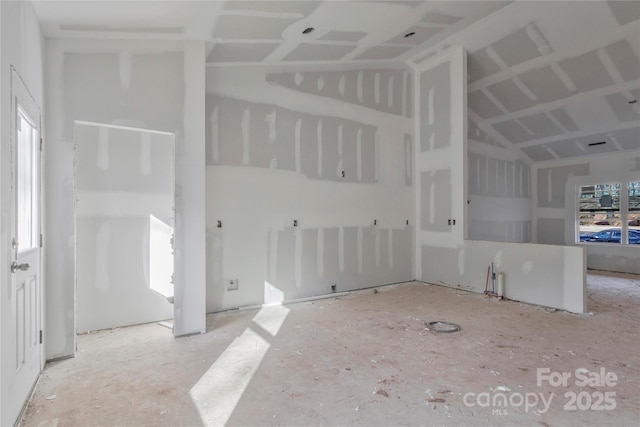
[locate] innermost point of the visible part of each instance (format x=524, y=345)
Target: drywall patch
x=303, y=7
x=357, y=87
x=500, y=231
x=313, y=261
x=432, y=17
x=435, y=200
x=146, y=172
x=513, y=131
x=403, y=251
x=236, y=27
x=621, y=108
x=318, y=52
x=545, y=84
x=625, y=59
x=384, y=52
x=344, y=36
x=516, y=48
x=552, y=183
x=537, y=153
x=408, y=159
x=541, y=125
x=550, y=231
x=564, y=119
x=480, y=65
x=510, y=95
x=491, y=177
x=587, y=71
x=266, y=136
x=629, y=139
x=482, y=105
x=420, y=35
x=154, y=100
x=571, y=147
x=435, y=105
x=474, y=133
x=447, y=260
x=624, y=11
x=215, y=269
x=285, y=264
x=241, y=52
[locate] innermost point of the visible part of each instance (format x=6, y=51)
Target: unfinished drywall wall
x=499, y=199
x=21, y=47
x=316, y=149
x=552, y=276
x=555, y=211
x=144, y=84
x=123, y=197
x=441, y=150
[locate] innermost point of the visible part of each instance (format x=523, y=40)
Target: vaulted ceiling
x=554, y=79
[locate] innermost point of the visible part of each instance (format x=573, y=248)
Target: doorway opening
x=124, y=219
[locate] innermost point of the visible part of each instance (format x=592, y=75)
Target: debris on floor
x=382, y=392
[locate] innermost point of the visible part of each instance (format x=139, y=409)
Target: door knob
x=22, y=267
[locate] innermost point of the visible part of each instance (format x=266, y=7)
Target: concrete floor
x=362, y=359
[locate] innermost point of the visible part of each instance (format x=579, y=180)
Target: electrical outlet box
x=232, y=284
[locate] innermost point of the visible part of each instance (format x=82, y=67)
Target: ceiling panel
x=301, y=7
x=510, y=95
x=234, y=27
x=545, y=84
x=587, y=71
x=621, y=108
x=629, y=139
x=516, y=48
x=625, y=11
x=625, y=59
x=538, y=153
x=318, y=52
x=564, y=119
x=384, y=52
x=482, y=105
x=539, y=72
x=240, y=52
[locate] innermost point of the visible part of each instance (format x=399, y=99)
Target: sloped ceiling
x=549, y=78
x=557, y=80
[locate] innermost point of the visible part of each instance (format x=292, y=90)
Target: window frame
x=623, y=210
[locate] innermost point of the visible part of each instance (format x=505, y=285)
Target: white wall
x=499, y=200
x=277, y=143
x=21, y=46
x=441, y=147
x=555, y=211
x=144, y=84
x=552, y=276
x=123, y=194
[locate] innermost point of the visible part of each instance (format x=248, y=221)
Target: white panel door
x=22, y=355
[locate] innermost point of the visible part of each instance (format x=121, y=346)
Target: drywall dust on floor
x=360, y=359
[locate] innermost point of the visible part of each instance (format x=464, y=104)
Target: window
x=607, y=210
x=27, y=183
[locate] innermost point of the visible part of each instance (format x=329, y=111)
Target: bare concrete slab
x=360, y=359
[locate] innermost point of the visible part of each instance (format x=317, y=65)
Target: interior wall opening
x=124, y=220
